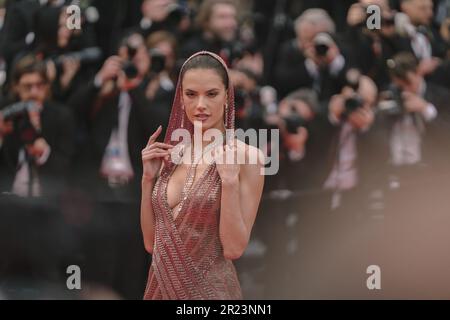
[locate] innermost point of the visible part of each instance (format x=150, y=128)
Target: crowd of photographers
x=363, y=112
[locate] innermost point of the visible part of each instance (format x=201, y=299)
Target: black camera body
x=321, y=49
x=176, y=14
x=294, y=121
x=351, y=105
x=322, y=43
x=392, y=102
x=352, y=80
x=85, y=56
x=18, y=113
x=130, y=70
x=158, y=61
x=128, y=67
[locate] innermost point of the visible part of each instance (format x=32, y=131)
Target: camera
x=391, y=102
x=129, y=68
x=176, y=14
x=158, y=61
x=322, y=43
x=293, y=121
x=351, y=105
x=18, y=113
x=351, y=80
x=85, y=56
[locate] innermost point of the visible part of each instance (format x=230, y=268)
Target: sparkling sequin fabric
x=188, y=261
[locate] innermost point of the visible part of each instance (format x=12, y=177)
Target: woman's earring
x=225, y=115
x=182, y=117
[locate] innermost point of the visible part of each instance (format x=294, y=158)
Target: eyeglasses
x=29, y=86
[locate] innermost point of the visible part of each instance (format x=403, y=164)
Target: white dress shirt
x=406, y=135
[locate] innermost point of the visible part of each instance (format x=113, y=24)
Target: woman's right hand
x=153, y=154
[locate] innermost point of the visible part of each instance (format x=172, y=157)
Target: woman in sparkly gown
x=197, y=215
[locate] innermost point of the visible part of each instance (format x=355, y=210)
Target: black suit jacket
x=97, y=117
x=291, y=74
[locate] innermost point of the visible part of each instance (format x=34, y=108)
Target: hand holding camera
x=293, y=126
x=349, y=106
x=323, y=51
x=69, y=63
x=111, y=69
x=114, y=69
x=362, y=118
x=24, y=118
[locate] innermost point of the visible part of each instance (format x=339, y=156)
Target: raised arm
x=242, y=186
x=151, y=162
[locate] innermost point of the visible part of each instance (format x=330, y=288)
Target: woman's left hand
x=226, y=159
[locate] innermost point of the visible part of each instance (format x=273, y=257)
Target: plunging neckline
x=194, y=186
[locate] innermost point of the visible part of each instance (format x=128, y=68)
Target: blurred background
x=364, y=120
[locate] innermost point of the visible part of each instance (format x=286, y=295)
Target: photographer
x=115, y=120
x=159, y=83
x=417, y=114
x=70, y=55
x=296, y=114
x=249, y=107
x=18, y=27
x=351, y=113
x=371, y=48
x=37, y=140
x=217, y=30
x=163, y=15
x=313, y=59
x=421, y=14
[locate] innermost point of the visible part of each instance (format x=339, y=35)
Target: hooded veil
x=178, y=115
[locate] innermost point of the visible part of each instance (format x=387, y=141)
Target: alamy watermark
x=260, y=139
x=374, y=280
x=374, y=19
x=73, y=17
x=73, y=281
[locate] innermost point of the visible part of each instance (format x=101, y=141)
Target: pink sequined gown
x=188, y=261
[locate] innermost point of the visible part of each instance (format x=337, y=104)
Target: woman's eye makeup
x=210, y=94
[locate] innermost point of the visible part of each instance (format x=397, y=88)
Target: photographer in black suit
x=314, y=59
x=351, y=113
x=115, y=119
x=417, y=115
x=37, y=142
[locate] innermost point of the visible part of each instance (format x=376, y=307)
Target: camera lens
x=321, y=49
x=293, y=121
x=158, y=61
x=130, y=70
